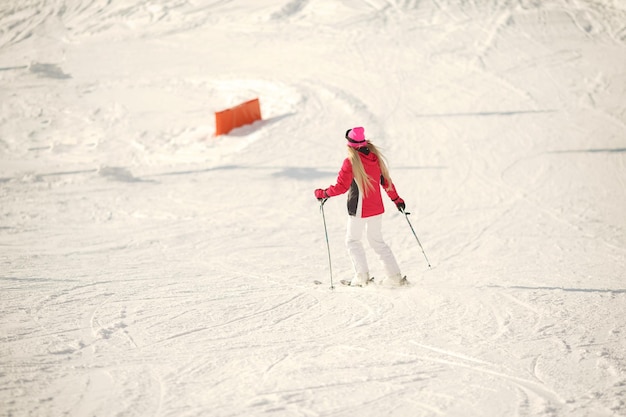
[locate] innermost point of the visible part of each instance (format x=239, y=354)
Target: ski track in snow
x=149, y=268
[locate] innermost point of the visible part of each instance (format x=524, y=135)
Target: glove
x=321, y=194
x=400, y=204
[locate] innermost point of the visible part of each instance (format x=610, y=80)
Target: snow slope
x=148, y=268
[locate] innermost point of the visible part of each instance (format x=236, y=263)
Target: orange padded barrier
x=243, y=114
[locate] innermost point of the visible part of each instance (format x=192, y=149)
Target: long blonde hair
x=364, y=181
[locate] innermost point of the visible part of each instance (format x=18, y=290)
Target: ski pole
x=406, y=215
x=330, y=265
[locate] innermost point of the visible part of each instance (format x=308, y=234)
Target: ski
x=403, y=283
x=347, y=282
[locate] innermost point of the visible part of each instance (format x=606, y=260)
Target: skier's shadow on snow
x=303, y=173
x=120, y=174
x=310, y=173
x=197, y=171
x=299, y=173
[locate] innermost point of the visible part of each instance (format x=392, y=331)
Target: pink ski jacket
x=358, y=204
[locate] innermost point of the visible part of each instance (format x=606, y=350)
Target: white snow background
x=149, y=268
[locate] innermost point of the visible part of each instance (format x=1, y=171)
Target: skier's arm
x=390, y=189
x=344, y=179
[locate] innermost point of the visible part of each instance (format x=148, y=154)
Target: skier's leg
x=376, y=241
x=356, y=250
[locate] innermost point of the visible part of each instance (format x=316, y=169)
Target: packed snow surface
x=149, y=268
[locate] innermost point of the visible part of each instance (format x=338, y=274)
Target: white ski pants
x=373, y=228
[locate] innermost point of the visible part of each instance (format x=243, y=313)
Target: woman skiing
x=362, y=174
